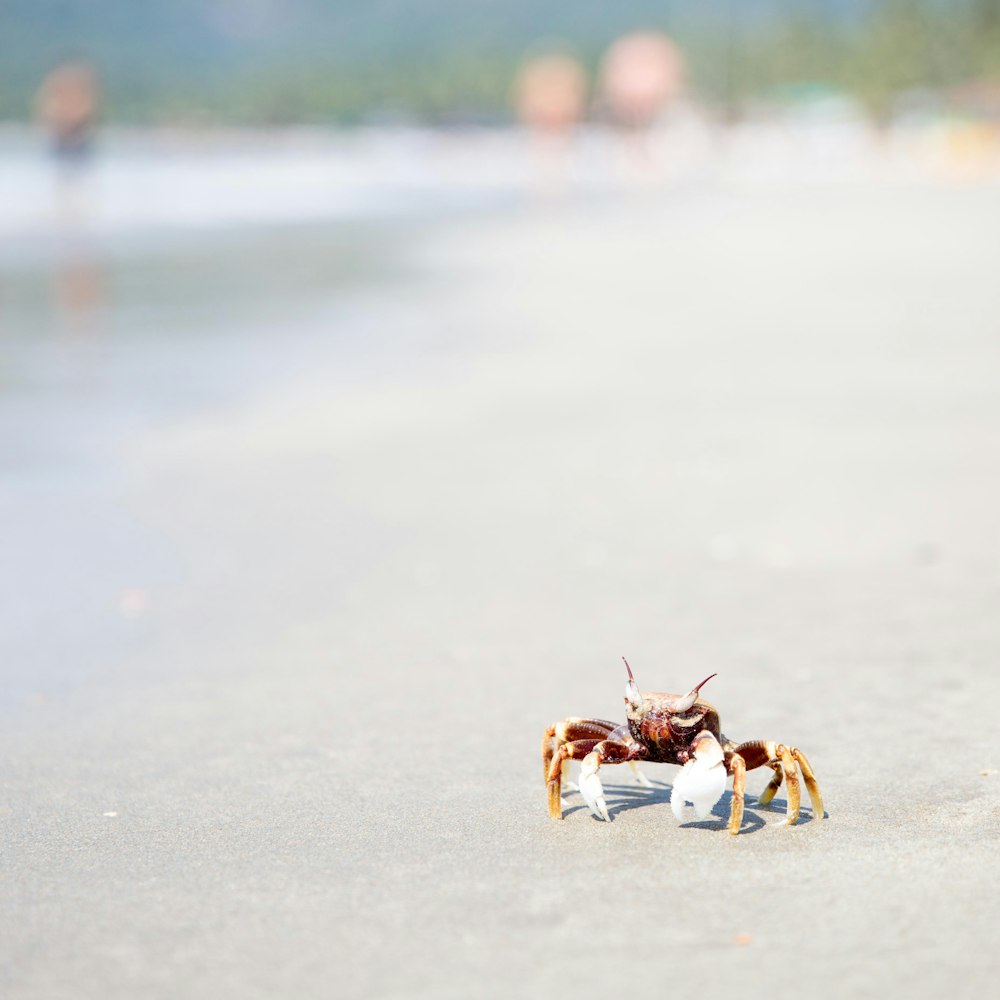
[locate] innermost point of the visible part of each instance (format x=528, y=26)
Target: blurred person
x=550, y=98
x=551, y=94
x=68, y=105
x=973, y=130
x=640, y=75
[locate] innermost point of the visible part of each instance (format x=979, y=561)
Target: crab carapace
x=673, y=729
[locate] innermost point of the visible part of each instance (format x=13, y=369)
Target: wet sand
x=279, y=662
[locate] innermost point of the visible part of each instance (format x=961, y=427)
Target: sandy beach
x=286, y=612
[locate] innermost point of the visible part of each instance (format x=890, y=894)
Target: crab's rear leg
x=791, y=784
x=786, y=762
x=777, y=756
x=812, y=785
x=772, y=786
x=738, y=769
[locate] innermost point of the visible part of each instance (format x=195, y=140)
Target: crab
x=673, y=729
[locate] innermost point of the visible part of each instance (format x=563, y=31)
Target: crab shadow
x=624, y=798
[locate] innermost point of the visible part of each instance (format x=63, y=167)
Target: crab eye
x=632, y=695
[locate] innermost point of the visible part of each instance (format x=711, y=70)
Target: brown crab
x=672, y=729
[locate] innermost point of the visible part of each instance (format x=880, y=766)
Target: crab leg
x=772, y=786
x=812, y=786
x=786, y=762
x=576, y=750
x=584, y=734
x=640, y=778
x=738, y=769
x=606, y=752
x=593, y=753
x=791, y=785
x=568, y=730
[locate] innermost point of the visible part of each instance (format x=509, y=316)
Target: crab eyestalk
x=632, y=696
x=684, y=703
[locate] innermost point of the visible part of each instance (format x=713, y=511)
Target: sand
x=279, y=661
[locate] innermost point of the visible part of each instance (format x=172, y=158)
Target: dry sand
x=283, y=739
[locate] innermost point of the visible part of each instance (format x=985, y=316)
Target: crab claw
x=702, y=780
x=591, y=788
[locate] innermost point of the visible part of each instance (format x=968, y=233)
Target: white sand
x=285, y=736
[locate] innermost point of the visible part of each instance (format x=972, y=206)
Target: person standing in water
x=550, y=99
x=68, y=105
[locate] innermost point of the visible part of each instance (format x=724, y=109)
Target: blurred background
x=128, y=127
x=142, y=124
x=374, y=375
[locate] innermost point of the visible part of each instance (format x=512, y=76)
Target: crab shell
x=667, y=735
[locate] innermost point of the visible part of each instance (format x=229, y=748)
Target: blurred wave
x=145, y=182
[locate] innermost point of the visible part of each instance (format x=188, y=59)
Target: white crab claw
x=591, y=788
x=702, y=780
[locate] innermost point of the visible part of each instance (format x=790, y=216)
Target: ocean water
x=155, y=186
x=173, y=278
x=167, y=183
